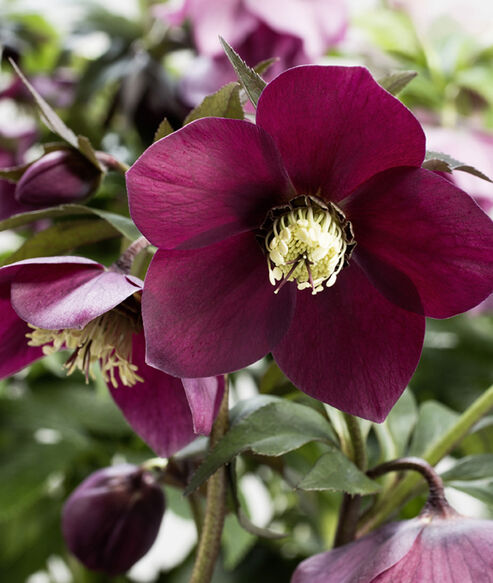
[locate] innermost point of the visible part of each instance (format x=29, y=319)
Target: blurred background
x=113, y=71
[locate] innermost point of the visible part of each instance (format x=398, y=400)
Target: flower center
x=308, y=244
x=106, y=340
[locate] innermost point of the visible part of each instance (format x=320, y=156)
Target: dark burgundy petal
x=350, y=347
x=67, y=294
x=416, y=223
x=15, y=353
x=211, y=311
x=204, y=398
x=156, y=409
x=363, y=560
x=210, y=180
x=336, y=127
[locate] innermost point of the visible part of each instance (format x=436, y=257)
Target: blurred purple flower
x=58, y=88
x=112, y=519
x=14, y=141
x=295, y=31
x=236, y=209
x=62, y=176
x=75, y=303
x=431, y=548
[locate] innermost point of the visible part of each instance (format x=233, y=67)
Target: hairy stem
x=432, y=455
x=349, y=512
x=215, y=510
x=124, y=263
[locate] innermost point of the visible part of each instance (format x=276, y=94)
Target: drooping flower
x=112, y=519
x=294, y=31
x=54, y=303
x=256, y=226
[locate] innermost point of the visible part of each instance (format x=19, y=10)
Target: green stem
x=349, y=512
x=111, y=163
x=432, y=455
x=215, y=510
x=124, y=263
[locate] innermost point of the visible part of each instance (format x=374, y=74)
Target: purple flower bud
x=112, y=519
x=58, y=177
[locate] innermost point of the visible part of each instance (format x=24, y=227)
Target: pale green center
x=307, y=246
x=106, y=340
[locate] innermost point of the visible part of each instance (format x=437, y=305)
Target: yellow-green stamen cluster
x=306, y=245
x=106, y=340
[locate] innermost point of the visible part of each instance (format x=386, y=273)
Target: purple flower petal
x=204, y=398
x=364, y=559
x=15, y=353
x=350, y=347
x=431, y=232
x=190, y=333
x=156, y=409
x=343, y=130
x=65, y=292
x=210, y=180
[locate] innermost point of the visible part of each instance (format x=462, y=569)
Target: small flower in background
x=62, y=176
x=295, y=31
x=15, y=139
x=55, y=303
x=256, y=227
x=112, y=519
x=58, y=88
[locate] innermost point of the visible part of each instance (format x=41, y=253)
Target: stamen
x=106, y=340
x=309, y=245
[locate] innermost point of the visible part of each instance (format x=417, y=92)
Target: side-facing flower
x=256, y=227
x=294, y=31
x=112, y=519
x=54, y=303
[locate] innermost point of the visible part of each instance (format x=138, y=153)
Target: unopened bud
x=58, y=177
x=112, y=519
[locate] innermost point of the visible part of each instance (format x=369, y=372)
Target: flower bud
x=58, y=177
x=111, y=520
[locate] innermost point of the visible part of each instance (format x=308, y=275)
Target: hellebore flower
x=75, y=303
x=294, y=31
x=58, y=177
x=438, y=546
x=112, y=519
x=14, y=142
x=255, y=226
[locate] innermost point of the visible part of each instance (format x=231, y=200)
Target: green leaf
x=252, y=82
x=14, y=173
x=122, y=224
x=63, y=237
x=438, y=161
x=54, y=123
x=395, y=82
x=265, y=65
x=480, y=489
x=164, y=129
x=433, y=421
x=335, y=472
x=86, y=149
x=273, y=430
x=402, y=420
x=236, y=542
x=223, y=103
x=473, y=467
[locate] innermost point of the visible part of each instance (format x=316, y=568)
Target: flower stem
x=215, y=510
x=349, y=512
x=124, y=262
x=432, y=455
x=111, y=163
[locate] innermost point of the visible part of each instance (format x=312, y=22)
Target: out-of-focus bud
x=58, y=177
x=112, y=519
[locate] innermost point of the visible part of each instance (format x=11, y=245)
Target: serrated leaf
x=333, y=471
x=251, y=81
x=433, y=421
x=63, y=237
x=272, y=430
x=51, y=119
x=123, y=224
x=224, y=103
x=395, y=82
x=164, y=129
x=473, y=467
x=438, y=161
x=265, y=65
